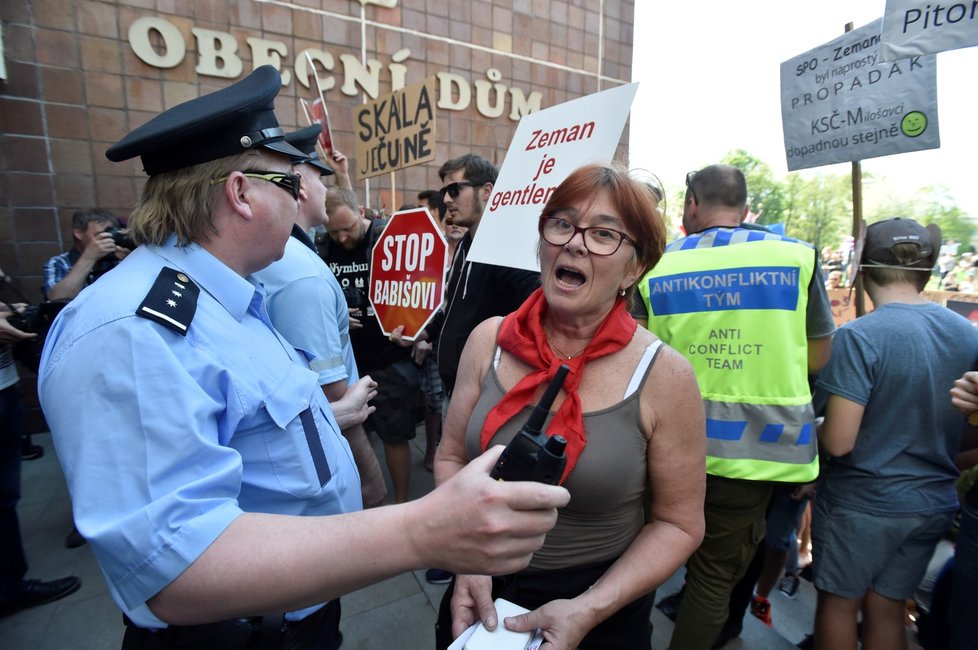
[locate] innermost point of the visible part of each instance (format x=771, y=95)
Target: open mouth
x=569, y=277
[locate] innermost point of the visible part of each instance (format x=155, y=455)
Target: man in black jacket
x=476, y=291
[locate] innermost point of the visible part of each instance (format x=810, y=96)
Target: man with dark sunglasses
x=207, y=470
x=476, y=291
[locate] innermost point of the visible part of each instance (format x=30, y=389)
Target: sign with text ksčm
x=839, y=103
x=547, y=147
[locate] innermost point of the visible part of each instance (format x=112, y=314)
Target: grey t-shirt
x=899, y=361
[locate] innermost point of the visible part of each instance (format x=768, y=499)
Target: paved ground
x=398, y=613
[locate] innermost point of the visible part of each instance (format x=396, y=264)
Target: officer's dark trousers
x=318, y=631
x=13, y=564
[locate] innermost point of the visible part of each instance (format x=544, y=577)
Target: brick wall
x=74, y=86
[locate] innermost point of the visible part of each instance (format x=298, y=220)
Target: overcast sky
x=709, y=73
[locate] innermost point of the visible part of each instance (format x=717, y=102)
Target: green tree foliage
x=823, y=210
x=818, y=208
x=931, y=204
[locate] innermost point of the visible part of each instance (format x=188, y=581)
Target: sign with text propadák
x=546, y=148
x=395, y=131
x=407, y=272
x=839, y=103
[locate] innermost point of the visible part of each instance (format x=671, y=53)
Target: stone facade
x=80, y=74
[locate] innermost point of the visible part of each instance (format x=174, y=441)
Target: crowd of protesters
x=244, y=493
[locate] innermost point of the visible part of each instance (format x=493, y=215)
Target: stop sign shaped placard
x=407, y=272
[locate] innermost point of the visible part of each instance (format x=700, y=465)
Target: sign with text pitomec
x=912, y=27
x=407, y=272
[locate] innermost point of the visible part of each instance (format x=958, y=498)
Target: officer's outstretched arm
x=261, y=563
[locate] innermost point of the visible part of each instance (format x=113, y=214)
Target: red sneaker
x=760, y=607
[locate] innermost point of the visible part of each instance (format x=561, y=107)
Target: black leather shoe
x=39, y=592
x=75, y=539
x=31, y=452
x=669, y=606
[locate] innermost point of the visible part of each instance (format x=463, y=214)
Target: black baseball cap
x=305, y=141
x=882, y=236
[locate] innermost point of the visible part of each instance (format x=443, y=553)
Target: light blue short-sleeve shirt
x=306, y=305
x=165, y=439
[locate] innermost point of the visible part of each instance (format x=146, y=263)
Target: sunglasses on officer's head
x=689, y=185
x=454, y=189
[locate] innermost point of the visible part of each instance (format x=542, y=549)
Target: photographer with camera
x=16, y=593
x=98, y=246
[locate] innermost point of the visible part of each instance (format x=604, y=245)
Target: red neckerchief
x=522, y=335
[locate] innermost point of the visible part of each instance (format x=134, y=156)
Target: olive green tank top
x=608, y=484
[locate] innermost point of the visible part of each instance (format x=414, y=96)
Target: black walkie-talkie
x=532, y=455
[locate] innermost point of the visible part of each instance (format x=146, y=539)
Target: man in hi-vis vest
x=748, y=308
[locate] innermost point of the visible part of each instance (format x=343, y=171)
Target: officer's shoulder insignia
x=171, y=301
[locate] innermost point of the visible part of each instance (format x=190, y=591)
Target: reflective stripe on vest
x=737, y=313
x=738, y=435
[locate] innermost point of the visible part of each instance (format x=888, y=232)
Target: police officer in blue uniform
x=204, y=464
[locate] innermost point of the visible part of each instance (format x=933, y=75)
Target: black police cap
x=224, y=123
x=305, y=141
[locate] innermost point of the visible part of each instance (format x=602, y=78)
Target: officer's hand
x=100, y=246
x=362, y=392
x=355, y=323
x=475, y=524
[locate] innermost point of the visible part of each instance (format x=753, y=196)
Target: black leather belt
x=318, y=630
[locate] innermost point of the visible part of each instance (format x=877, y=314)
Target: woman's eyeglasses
x=289, y=182
x=454, y=189
x=598, y=240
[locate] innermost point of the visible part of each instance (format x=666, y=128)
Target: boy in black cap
x=886, y=494
x=206, y=457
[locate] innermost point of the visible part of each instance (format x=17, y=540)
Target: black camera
x=34, y=319
x=121, y=239
x=356, y=299
x=28, y=320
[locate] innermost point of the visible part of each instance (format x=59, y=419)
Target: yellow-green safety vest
x=733, y=301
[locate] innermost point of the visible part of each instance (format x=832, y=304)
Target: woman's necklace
x=561, y=352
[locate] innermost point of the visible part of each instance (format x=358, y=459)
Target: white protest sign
x=547, y=147
x=914, y=27
x=839, y=103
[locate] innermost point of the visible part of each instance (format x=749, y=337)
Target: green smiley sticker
x=913, y=124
